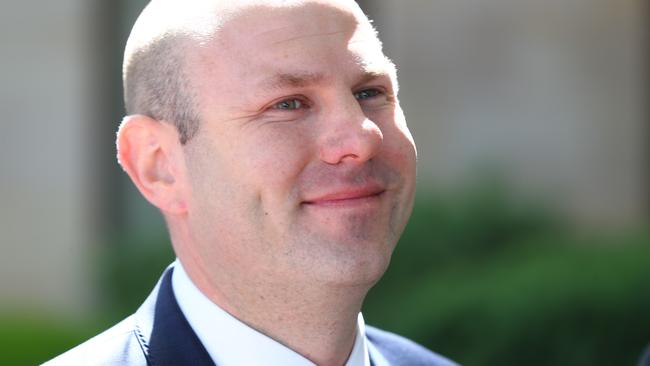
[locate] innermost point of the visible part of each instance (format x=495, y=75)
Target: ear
x=151, y=154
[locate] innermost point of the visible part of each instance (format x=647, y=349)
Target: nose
x=349, y=136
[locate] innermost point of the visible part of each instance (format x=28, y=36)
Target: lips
x=346, y=196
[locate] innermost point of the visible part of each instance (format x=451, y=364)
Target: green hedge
x=543, y=305
x=486, y=281
x=30, y=339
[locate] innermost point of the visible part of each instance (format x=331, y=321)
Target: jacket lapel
x=164, y=333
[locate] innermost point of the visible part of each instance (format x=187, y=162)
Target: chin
x=351, y=252
x=366, y=276
x=360, y=263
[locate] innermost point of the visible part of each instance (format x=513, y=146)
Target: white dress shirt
x=230, y=342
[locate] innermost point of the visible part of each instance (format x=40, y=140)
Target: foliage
x=497, y=285
x=131, y=268
x=29, y=339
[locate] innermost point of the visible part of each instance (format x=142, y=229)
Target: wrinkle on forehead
x=311, y=36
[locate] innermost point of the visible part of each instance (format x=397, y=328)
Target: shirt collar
x=230, y=342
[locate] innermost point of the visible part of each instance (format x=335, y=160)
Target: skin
x=286, y=206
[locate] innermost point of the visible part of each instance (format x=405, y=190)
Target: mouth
x=347, y=197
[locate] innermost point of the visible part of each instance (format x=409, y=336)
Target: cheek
x=399, y=146
x=402, y=127
x=276, y=156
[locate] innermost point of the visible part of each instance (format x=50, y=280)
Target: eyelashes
x=364, y=96
x=290, y=104
x=368, y=93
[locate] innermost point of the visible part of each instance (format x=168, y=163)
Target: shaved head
x=155, y=70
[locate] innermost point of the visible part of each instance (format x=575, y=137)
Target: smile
x=347, y=198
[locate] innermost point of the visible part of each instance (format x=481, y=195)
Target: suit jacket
x=159, y=335
x=645, y=359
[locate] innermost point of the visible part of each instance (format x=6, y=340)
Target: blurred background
x=530, y=239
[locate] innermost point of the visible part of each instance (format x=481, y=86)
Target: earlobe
x=148, y=150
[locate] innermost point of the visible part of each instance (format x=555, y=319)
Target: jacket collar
x=167, y=338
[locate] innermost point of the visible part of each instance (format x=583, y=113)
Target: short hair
x=156, y=84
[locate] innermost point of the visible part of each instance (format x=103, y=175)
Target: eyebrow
x=304, y=79
x=293, y=80
x=301, y=79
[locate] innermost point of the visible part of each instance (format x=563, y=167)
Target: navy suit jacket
x=645, y=359
x=159, y=335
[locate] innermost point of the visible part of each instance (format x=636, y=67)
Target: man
x=269, y=135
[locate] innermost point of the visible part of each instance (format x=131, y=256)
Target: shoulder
x=118, y=345
x=401, y=351
x=645, y=359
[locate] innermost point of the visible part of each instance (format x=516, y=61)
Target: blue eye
x=289, y=104
x=367, y=94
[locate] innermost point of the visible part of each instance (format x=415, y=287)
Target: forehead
x=314, y=37
x=280, y=23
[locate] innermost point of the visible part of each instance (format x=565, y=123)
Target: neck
x=317, y=321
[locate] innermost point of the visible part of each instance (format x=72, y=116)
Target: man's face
x=303, y=168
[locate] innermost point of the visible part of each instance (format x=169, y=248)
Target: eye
x=367, y=94
x=290, y=104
